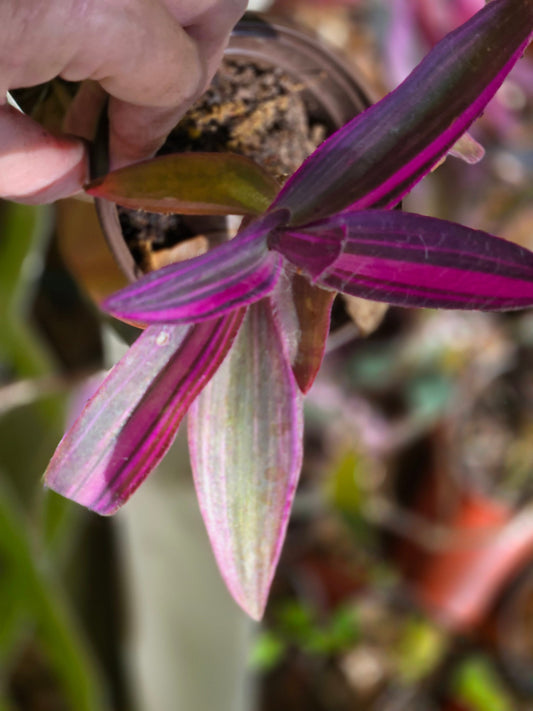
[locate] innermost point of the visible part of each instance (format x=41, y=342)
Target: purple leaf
x=128, y=425
x=377, y=157
x=245, y=434
x=234, y=274
x=410, y=260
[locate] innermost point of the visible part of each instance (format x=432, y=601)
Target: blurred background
x=406, y=580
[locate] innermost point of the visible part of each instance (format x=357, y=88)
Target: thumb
x=37, y=166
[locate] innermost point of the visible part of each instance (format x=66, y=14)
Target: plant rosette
x=235, y=336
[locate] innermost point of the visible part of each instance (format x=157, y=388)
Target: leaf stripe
x=405, y=294
x=149, y=449
x=234, y=274
x=136, y=411
x=409, y=259
x=245, y=437
x=447, y=258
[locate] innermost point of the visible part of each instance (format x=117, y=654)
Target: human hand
x=152, y=57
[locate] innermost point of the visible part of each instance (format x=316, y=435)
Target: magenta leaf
x=377, y=157
x=231, y=275
x=128, y=425
x=245, y=434
x=411, y=260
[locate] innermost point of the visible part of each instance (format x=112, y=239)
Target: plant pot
x=485, y=547
x=307, y=71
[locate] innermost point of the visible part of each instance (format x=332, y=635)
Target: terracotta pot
x=485, y=547
x=328, y=86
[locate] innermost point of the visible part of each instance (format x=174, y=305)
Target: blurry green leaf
x=41, y=600
x=344, y=628
x=295, y=621
x=28, y=436
x=376, y=368
x=476, y=685
x=12, y=613
x=346, y=492
x=299, y=625
x=60, y=522
x=428, y=395
x=335, y=635
x=5, y=705
x=190, y=183
x=267, y=651
x=343, y=484
x=421, y=648
x=24, y=233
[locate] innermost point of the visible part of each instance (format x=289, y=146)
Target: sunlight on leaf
x=190, y=183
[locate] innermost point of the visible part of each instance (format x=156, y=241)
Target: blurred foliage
x=34, y=607
x=298, y=626
x=398, y=425
x=477, y=686
x=421, y=647
x=35, y=527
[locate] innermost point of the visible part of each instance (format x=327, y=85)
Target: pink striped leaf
x=129, y=423
x=234, y=274
x=190, y=183
x=376, y=158
x=245, y=435
x=411, y=260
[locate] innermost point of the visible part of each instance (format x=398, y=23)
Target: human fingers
x=152, y=67
x=139, y=125
x=37, y=166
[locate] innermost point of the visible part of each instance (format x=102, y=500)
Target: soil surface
x=251, y=109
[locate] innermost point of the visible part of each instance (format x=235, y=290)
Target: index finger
x=142, y=113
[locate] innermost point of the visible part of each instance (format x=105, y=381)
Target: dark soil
x=251, y=109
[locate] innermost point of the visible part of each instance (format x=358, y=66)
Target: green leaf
x=420, y=649
x=267, y=651
x=25, y=230
x=476, y=685
x=190, y=183
x=39, y=598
